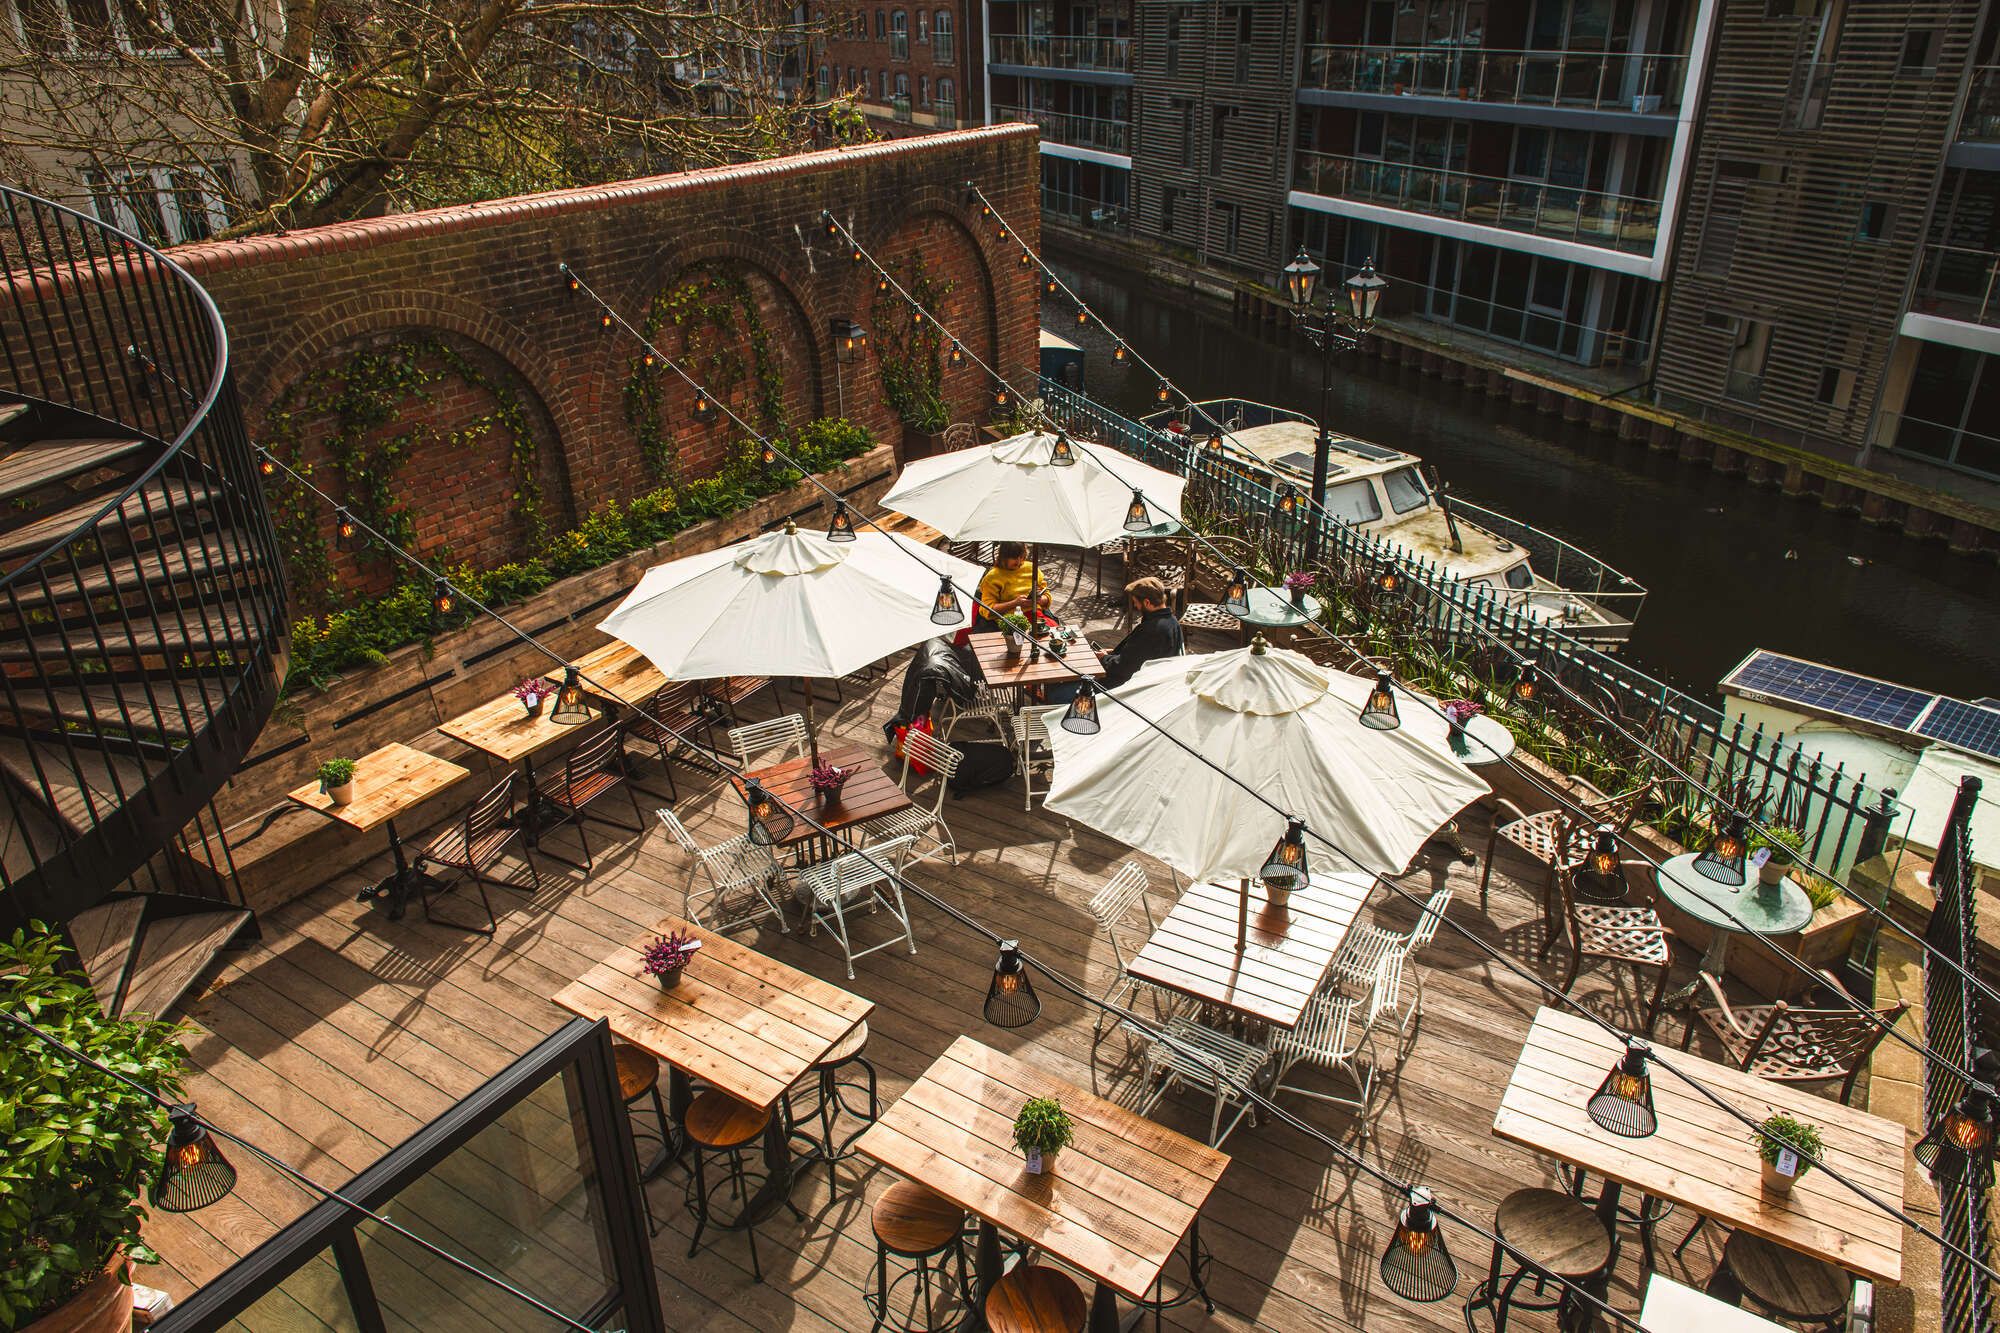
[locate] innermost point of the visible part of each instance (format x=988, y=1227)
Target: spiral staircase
x=142, y=604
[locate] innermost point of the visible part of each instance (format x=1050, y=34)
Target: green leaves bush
x=75, y=1145
x=362, y=635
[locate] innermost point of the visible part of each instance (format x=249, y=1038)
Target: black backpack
x=984, y=765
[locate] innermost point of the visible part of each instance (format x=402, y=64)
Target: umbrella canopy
x=1011, y=491
x=1284, y=725
x=786, y=604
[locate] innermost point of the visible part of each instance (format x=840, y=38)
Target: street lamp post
x=1332, y=330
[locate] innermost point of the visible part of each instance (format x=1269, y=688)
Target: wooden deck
x=343, y=1032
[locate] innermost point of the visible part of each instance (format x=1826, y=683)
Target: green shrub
x=1043, y=1126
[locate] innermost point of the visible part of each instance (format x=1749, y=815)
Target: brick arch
x=971, y=315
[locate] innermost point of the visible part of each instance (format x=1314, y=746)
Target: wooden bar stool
x=639, y=1078
x=924, y=1227
x=1034, y=1299
x=1556, y=1235
x=1780, y=1282
x=834, y=1094
x=719, y=1125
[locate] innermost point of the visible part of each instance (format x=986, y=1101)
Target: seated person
x=1158, y=633
x=1004, y=590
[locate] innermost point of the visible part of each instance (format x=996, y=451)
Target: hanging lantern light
x=770, y=822
x=1389, y=580
x=1027, y=260
x=604, y=322
x=1163, y=392
x=1049, y=283
x=444, y=603
x=859, y=257
x=1062, y=453
x=649, y=358
x=1961, y=1142
x=1723, y=861
x=1379, y=713
x=841, y=529
x=571, y=706
x=348, y=535
x=945, y=608
x=1118, y=350
x=767, y=454
x=1003, y=234
x=1604, y=852
x=956, y=357
x=832, y=226
x=1137, y=519
x=1213, y=444
x=882, y=282
x=570, y=280
x=999, y=394
x=1623, y=1103
x=1417, y=1265
x=193, y=1171
x=916, y=318
x=703, y=409
x=1236, y=597
x=1288, y=500
x=1011, y=1001
x=267, y=466
x=1529, y=683
x=1081, y=715
x=1082, y=317
x=1285, y=868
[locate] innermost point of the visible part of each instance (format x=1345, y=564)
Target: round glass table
x=1483, y=740
x=1271, y=608
x=1749, y=908
x=1166, y=527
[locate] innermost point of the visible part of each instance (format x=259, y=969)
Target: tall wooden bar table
x=1115, y=1205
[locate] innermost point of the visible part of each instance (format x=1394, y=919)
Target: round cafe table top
x=1271, y=608
x=1166, y=527
x=1483, y=741
x=1748, y=908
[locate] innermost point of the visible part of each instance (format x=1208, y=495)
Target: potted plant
x=336, y=779
x=1042, y=1130
x=79, y=1145
x=1784, y=1145
x=1015, y=626
x=532, y=692
x=1786, y=845
x=1296, y=584
x=1458, y=712
x=667, y=957
x=827, y=780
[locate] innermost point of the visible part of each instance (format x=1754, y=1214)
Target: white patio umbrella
x=1013, y=490
x=787, y=603
x=1289, y=728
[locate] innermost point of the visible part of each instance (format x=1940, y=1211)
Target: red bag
x=922, y=724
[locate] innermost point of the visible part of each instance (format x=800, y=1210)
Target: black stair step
x=172, y=953
x=64, y=776
x=203, y=561
x=159, y=502
x=106, y=937
x=27, y=468
x=207, y=629
x=155, y=706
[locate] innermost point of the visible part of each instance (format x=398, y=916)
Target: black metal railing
x=1842, y=818
x=1953, y=1024
x=144, y=601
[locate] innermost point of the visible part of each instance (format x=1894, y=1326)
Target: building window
x=1236, y=21
x=881, y=25
x=923, y=27
x=941, y=38
x=1747, y=360
x=1920, y=51
x=1877, y=217
x=946, y=106
x=1176, y=25
x=80, y=27
x=162, y=207
x=825, y=79
x=899, y=36
x=924, y=89
x=1218, y=137
x=1230, y=215
x=1168, y=198
x=1836, y=387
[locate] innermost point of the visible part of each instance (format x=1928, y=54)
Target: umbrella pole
x=812, y=727
x=1243, y=915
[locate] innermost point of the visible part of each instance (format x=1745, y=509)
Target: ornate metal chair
x=1542, y=835
x=1789, y=1045
x=741, y=877
x=922, y=822
x=1615, y=934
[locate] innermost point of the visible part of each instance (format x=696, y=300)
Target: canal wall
x=1919, y=512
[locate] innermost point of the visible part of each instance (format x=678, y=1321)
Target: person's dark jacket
x=1156, y=635
x=938, y=670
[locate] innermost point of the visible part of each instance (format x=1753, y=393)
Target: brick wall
x=484, y=278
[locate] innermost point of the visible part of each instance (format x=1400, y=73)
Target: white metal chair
x=1110, y=905
x=740, y=874
x=831, y=890
x=1032, y=754
x=781, y=738
x=1361, y=956
x=921, y=749
x=1332, y=1034
x=990, y=704
x=1215, y=1062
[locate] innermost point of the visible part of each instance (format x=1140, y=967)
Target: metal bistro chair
x=662, y=723
x=739, y=873
x=921, y=822
x=993, y=705
x=1789, y=1045
x=1110, y=905
x=1032, y=754
x=1545, y=834
x=1187, y=1053
x=593, y=769
x=1333, y=1033
x=472, y=844
x=1632, y=935
x=781, y=738
x=831, y=889
x=1360, y=957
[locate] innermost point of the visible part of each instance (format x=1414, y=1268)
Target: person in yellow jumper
x=1005, y=589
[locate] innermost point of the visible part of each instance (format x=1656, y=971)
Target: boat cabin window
x=1520, y=576
x=1406, y=490
x=1353, y=502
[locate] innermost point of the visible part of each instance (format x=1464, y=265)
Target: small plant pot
x=1773, y=871
x=102, y=1306
x=1013, y=645
x=670, y=978
x=1298, y=596
x=1040, y=1163
x=828, y=796
x=341, y=795
x=1775, y=1181
x=534, y=708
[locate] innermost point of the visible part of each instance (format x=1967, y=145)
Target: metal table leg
x=396, y=886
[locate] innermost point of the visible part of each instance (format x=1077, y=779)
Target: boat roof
x=1056, y=340
x=1290, y=444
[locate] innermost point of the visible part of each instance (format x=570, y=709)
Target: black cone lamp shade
x=841, y=529
x=571, y=708
x=1960, y=1145
x=1163, y=392
x=444, y=604
x=348, y=533
x=1417, y=1265
x=1389, y=580
x=957, y=357
x=999, y=395
x=1062, y=453
x=770, y=822
x=1285, y=868
x=1288, y=501
x=1529, y=683
x=1723, y=861
x=1118, y=351
x=1379, y=713
x=1136, y=517
x=767, y=454
x=1081, y=716
x=1011, y=1001
x=193, y=1172
x=1236, y=597
x=1623, y=1103
x=704, y=410
x=1604, y=851
x=945, y=608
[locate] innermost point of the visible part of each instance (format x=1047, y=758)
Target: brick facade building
x=916, y=65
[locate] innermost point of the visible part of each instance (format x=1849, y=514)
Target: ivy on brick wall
x=716, y=314
x=372, y=388
x=912, y=353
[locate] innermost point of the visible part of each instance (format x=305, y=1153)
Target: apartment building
x=1775, y=214
x=914, y=66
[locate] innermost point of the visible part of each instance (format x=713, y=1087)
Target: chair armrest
x=1504, y=807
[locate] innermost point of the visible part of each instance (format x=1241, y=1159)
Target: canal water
x=1729, y=567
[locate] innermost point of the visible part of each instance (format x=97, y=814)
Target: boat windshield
x=1353, y=502
x=1520, y=576
x=1406, y=490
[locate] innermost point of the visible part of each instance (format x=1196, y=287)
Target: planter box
x=920, y=444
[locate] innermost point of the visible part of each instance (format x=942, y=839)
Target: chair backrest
x=1817, y=1044
x=788, y=735
x=940, y=757
x=489, y=811
x=1030, y=728
x=1386, y=994
x=960, y=435
x=673, y=705
x=850, y=872
x=1328, y=1032
x=1622, y=810
x=1112, y=903
x=1430, y=918
x=602, y=751
x=679, y=832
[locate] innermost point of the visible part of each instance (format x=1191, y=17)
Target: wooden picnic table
x=739, y=1021
x=1115, y=1205
x=387, y=782
x=1701, y=1156
x=870, y=793
x=1288, y=954
x=990, y=650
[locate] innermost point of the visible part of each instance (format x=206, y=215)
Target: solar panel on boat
x=1376, y=452
x=1298, y=462
x=1967, y=726
x=1830, y=690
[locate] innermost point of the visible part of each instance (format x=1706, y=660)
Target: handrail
x=1645, y=82
x=1067, y=127
x=1959, y=282
x=1111, y=55
x=1980, y=122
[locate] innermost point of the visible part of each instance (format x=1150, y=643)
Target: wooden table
x=870, y=794
x=990, y=650
x=902, y=525
x=620, y=673
x=1289, y=951
x=387, y=782
x=739, y=1021
x=1115, y=1206
x=1701, y=1156
x=502, y=729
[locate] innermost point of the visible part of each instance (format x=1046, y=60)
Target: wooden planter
x=920, y=444
x=105, y=1306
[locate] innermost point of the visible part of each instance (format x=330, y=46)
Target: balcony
x=1082, y=210
x=1587, y=80
x=1108, y=55
x=1108, y=136
x=1560, y=212
x=1959, y=283
x=1981, y=121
